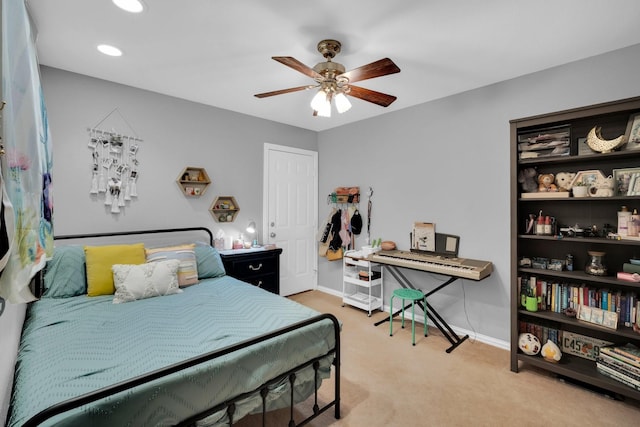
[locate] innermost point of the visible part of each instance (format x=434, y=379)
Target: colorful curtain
x=26, y=164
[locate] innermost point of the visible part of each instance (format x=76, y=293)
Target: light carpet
x=386, y=381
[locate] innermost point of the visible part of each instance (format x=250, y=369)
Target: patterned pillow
x=188, y=271
x=134, y=282
x=209, y=261
x=99, y=261
x=64, y=274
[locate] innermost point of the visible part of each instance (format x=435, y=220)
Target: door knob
x=272, y=234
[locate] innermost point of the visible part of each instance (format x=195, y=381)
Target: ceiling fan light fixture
x=319, y=100
x=342, y=103
x=334, y=81
x=325, y=110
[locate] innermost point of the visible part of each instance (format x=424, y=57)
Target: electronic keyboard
x=458, y=267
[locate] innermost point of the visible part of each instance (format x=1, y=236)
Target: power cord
x=466, y=314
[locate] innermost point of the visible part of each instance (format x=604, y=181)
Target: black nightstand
x=258, y=267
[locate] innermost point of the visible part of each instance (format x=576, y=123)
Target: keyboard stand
x=437, y=320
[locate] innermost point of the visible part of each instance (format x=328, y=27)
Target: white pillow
x=133, y=282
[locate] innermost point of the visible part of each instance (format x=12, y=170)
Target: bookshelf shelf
x=582, y=370
x=590, y=213
x=581, y=276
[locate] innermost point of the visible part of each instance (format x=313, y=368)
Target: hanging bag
x=334, y=255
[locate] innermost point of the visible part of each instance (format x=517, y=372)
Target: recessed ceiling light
x=109, y=50
x=133, y=6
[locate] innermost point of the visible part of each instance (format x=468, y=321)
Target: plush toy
x=545, y=182
x=526, y=177
x=551, y=352
x=529, y=344
x=563, y=180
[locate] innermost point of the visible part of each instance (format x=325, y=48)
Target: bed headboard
x=160, y=236
x=151, y=238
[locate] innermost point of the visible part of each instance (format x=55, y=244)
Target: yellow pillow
x=99, y=260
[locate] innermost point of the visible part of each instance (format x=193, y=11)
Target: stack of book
x=621, y=363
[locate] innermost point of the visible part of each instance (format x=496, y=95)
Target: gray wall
x=447, y=162
x=175, y=134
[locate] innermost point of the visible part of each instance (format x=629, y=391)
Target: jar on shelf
x=596, y=266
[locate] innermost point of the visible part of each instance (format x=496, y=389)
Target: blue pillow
x=65, y=274
x=209, y=261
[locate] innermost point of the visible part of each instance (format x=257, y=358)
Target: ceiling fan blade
x=283, y=91
x=369, y=95
x=298, y=66
x=378, y=68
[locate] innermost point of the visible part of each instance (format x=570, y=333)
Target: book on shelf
x=619, y=365
x=620, y=377
x=556, y=297
x=629, y=350
x=622, y=355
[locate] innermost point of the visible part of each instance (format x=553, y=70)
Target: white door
x=291, y=214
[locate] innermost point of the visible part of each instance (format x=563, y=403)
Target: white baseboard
x=460, y=331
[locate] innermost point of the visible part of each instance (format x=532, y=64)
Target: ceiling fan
x=334, y=83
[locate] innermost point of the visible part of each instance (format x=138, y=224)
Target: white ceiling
x=219, y=53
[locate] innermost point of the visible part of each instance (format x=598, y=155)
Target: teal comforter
x=71, y=346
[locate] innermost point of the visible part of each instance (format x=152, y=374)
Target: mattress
x=72, y=346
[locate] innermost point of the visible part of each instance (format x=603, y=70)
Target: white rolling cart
x=361, y=282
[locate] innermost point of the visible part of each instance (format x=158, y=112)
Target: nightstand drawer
x=268, y=282
x=260, y=268
x=255, y=266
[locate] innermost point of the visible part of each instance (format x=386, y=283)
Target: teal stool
x=412, y=295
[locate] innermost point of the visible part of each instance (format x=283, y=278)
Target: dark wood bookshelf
x=586, y=212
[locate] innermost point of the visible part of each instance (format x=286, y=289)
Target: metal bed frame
x=229, y=404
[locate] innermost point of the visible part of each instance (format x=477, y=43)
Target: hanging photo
x=120, y=169
x=116, y=144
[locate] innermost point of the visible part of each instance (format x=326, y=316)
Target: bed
x=208, y=353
